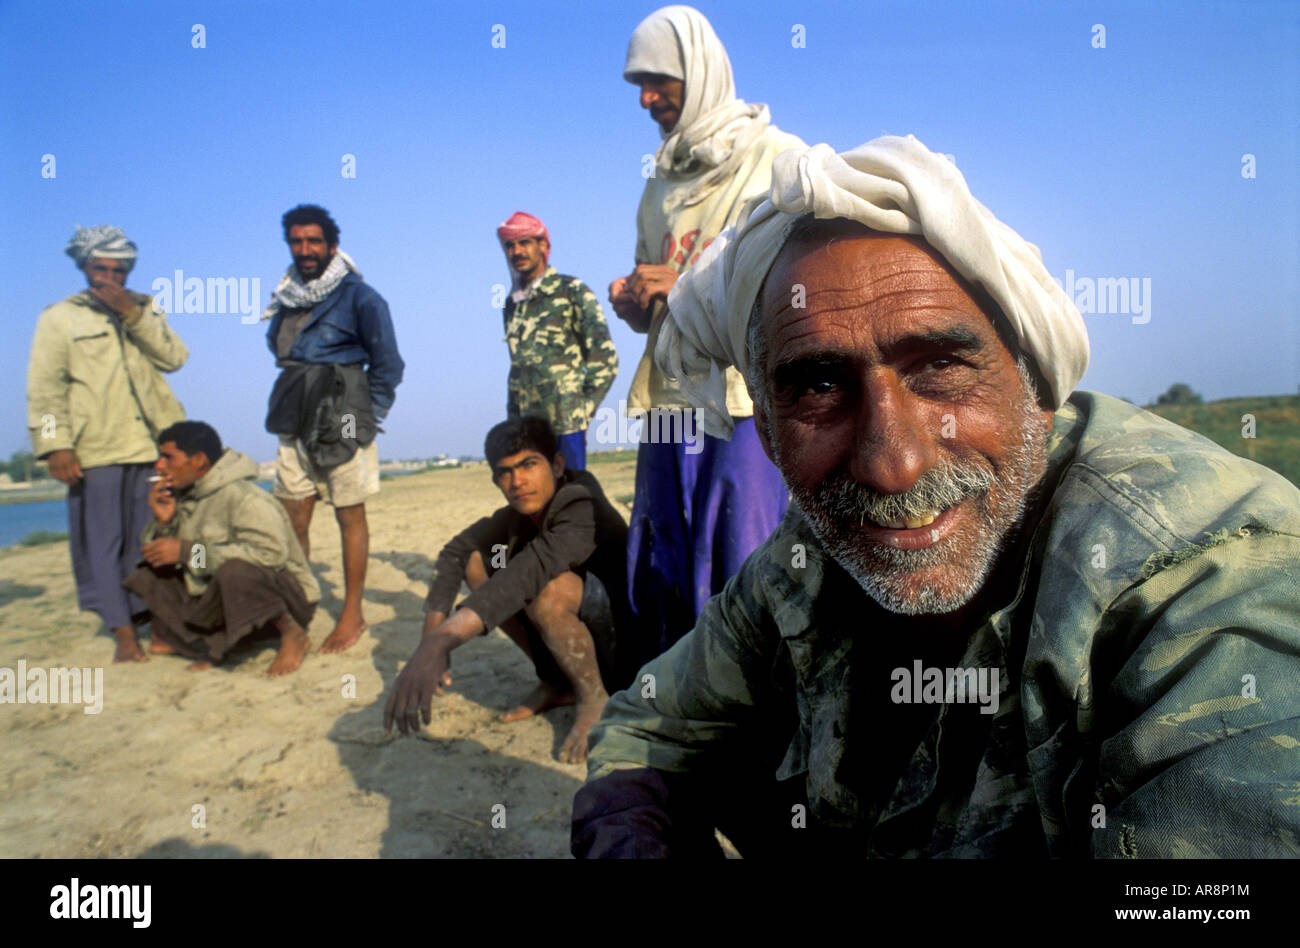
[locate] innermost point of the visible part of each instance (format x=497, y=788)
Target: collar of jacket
x=547, y=285
x=231, y=467
x=95, y=305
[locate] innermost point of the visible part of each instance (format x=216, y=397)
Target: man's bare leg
x=294, y=645
x=128, y=647
x=300, y=512
x=356, y=548
x=555, y=612
x=543, y=696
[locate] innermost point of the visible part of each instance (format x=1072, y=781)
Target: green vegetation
x=1179, y=394
x=39, y=537
x=611, y=457
x=22, y=466
x=1276, y=427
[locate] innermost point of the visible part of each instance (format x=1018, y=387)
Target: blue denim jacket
x=351, y=325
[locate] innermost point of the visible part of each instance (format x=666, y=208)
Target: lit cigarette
x=157, y=477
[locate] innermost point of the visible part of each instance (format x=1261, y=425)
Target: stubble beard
x=958, y=565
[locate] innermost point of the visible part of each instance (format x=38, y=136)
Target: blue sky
x=1118, y=162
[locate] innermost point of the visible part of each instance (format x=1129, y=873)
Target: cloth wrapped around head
x=892, y=185
x=104, y=241
x=715, y=128
x=519, y=225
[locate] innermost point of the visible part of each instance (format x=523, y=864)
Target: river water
x=18, y=520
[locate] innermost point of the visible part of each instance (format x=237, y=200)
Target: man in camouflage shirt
x=1000, y=618
x=562, y=361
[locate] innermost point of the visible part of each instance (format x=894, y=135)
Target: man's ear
x=557, y=465
x=763, y=431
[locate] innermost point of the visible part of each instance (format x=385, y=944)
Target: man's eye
x=820, y=387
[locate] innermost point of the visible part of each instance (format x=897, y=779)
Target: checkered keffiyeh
x=292, y=293
x=103, y=241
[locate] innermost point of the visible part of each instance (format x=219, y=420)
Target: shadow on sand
x=445, y=794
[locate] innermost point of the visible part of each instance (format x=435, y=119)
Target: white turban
x=715, y=128
x=103, y=241
x=892, y=185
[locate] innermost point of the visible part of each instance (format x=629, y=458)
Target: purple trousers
x=695, y=519
x=107, y=511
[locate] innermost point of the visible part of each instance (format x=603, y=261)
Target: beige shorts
x=345, y=485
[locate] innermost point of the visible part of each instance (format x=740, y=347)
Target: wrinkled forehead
x=845, y=269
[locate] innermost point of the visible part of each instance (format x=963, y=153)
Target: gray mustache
x=937, y=489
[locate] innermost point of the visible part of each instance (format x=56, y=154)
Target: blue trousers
x=107, y=511
x=695, y=519
x=574, y=448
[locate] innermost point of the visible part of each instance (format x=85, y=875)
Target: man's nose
x=159, y=466
x=648, y=97
x=893, y=445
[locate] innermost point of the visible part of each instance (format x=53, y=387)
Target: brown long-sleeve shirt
x=581, y=532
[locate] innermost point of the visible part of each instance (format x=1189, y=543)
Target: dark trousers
x=241, y=598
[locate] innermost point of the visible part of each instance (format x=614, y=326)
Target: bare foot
x=541, y=698
x=198, y=666
x=574, y=749
x=345, y=634
x=158, y=647
x=128, y=649
x=294, y=646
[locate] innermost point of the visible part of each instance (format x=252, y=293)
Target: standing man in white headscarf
x=96, y=401
x=698, y=513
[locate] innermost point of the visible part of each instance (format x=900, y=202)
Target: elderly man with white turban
x=1001, y=618
x=701, y=504
x=96, y=401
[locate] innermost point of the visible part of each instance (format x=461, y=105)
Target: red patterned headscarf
x=519, y=225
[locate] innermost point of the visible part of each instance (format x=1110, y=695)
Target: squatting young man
x=222, y=561
x=549, y=569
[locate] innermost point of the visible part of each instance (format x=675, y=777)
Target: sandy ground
x=228, y=763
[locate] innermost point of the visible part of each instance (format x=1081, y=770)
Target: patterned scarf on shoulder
x=292, y=293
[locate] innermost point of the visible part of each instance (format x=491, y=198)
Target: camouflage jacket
x=1148, y=660
x=562, y=361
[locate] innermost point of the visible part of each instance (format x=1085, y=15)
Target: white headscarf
x=892, y=185
x=715, y=128
x=105, y=241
